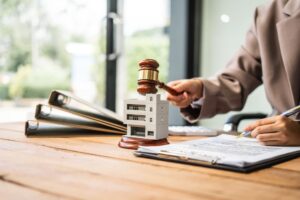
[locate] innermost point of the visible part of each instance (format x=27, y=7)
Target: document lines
x=224, y=151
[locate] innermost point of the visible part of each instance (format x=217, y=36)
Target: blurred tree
x=16, y=89
x=34, y=82
x=53, y=46
x=15, y=34
x=152, y=43
x=14, y=7
x=21, y=35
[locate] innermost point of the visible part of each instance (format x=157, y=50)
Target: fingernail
x=247, y=128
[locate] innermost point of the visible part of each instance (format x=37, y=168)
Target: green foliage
x=142, y=46
x=48, y=40
x=19, y=52
x=38, y=82
x=53, y=46
x=13, y=7
x=17, y=40
x=17, y=36
x=17, y=86
x=15, y=33
x=4, y=92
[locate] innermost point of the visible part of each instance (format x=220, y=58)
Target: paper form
x=224, y=149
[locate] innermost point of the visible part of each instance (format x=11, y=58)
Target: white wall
x=219, y=42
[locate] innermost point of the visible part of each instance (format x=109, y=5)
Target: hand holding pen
x=277, y=130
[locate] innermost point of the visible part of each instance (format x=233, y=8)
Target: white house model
x=146, y=118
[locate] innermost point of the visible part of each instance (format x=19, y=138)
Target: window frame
x=185, y=35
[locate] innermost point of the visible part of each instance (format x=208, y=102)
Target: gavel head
x=148, y=76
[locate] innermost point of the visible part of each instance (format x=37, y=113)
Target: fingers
x=192, y=86
x=271, y=131
x=175, y=98
x=174, y=83
x=268, y=137
x=264, y=129
x=277, y=130
x=261, y=122
x=271, y=143
x=277, y=138
x=181, y=101
x=179, y=86
x=185, y=98
x=266, y=134
x=182, y=86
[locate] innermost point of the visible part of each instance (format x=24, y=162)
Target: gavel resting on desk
x=148, y=78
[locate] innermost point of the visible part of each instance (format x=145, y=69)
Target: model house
x=147, y=118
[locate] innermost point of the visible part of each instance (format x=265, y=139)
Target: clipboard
x=226, y=152
x=213, y=164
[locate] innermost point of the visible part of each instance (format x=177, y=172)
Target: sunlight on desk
x=93, y=167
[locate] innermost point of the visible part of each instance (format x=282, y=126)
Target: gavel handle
x=169, y=89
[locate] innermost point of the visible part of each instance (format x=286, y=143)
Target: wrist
x=198, y=89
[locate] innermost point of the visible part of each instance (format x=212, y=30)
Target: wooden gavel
x=148, y=79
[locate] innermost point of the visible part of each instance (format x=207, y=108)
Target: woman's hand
x=277, y=130
x=191, y=88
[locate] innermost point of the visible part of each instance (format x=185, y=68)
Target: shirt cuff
x=197, y=103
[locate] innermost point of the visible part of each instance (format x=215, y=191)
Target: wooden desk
x=95, y=168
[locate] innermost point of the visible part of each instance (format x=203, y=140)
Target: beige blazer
x=269, y=56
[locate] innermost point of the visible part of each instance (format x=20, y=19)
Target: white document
x=223, y=149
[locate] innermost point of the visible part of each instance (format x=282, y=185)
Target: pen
x=287, y=113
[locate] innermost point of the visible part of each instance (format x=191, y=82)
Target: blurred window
x=146, y=35
x=46, y=45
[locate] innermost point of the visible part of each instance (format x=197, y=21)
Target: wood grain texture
x=85, y=167
x=13, y=191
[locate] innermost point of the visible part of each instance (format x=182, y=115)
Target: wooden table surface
x=93, y=167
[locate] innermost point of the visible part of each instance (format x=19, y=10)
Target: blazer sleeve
x=228, y=90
